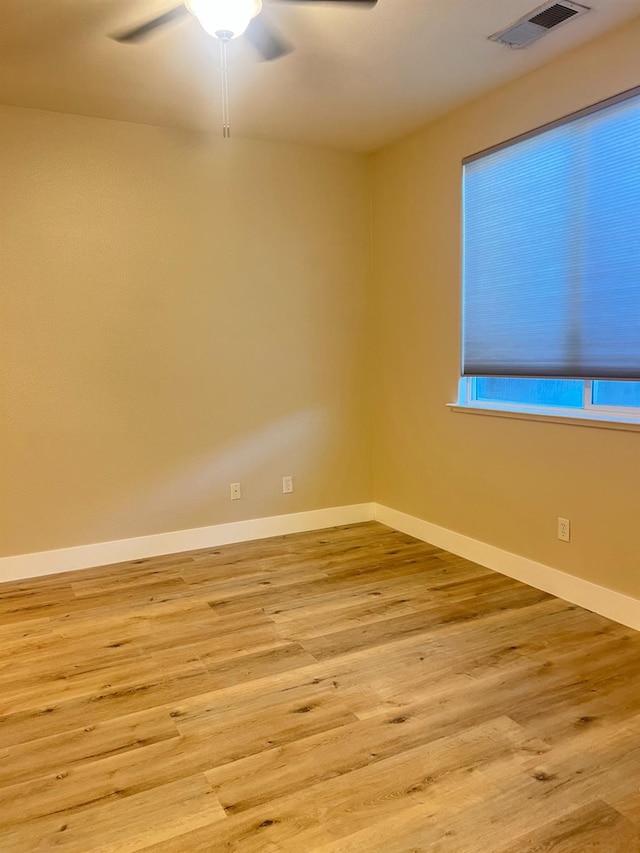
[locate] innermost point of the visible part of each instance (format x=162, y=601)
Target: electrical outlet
x=287, y=485
x=564, y=529
x=236, y=492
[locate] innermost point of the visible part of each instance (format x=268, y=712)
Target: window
x=573, y=397
x=551, y=266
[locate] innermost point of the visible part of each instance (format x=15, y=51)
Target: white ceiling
x=359, y=78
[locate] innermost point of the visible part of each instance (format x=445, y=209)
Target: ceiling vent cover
x=538, y=23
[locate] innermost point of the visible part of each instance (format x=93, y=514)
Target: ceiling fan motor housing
x=224, y=16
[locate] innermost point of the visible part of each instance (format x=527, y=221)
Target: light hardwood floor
x=344, y=690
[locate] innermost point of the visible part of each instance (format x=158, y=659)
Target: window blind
x=551, y=250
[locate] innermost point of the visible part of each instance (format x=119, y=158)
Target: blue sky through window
x=625, y=394
x=565, y=393
x=559, y=393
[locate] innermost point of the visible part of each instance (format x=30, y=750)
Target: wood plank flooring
x=345, y=690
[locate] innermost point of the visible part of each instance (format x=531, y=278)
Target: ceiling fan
x=226, y=20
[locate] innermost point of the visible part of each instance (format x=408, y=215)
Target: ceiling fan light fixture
x=224, y=16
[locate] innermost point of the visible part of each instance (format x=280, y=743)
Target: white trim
x=614, y=605
x=105, y=553
x=572, y=417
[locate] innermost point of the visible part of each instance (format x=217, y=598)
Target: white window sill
x=580, y=417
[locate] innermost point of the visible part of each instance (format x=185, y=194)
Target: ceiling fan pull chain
x=224, y=37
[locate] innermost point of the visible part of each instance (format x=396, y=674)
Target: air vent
x=538, y=23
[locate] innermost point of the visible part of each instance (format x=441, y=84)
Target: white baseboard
x=105, y=553
x=614, y=605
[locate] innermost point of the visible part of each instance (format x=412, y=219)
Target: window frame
x=589, y=411
x=589, y=405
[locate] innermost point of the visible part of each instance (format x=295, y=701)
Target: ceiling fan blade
x=141, y=32
x=369, y=3
x=269, y=44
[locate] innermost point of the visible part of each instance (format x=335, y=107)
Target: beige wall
x=497, y=480
x=177, y=313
